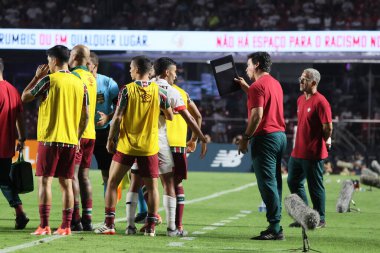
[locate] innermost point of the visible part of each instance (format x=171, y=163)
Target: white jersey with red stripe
x=176, y=102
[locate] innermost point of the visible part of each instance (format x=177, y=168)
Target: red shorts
x=55, y=161
x=84, y=155
x=180, y=165
x=147, y=165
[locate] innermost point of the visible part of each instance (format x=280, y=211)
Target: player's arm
x=253, y=124
x=116, y=120
x=168, y=112
x=165, y=104
x=35, y=88
x=193, y=109
x=85, y=114
x=192, y=123
x=114, y=129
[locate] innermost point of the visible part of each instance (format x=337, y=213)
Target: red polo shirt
x=267, y=92
x=10, y=107
x=311, y=113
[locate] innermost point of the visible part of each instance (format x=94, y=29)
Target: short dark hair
x=264, y=60
x=94, y=58
x=60, y=52
x=162, y=64
x=1, y=65
x=143, y=64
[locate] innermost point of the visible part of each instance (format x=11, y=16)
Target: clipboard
x=224, y=71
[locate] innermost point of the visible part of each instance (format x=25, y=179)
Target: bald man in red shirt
x=313, y=139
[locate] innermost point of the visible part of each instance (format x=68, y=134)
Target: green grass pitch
x=221, y=216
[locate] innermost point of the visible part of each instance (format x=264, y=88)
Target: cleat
x=182, y=232
x=42, y=231
x=131, y=230
x=321, y=224
x=21, y=221
x=87, y=225
x=294, y=225
x=62, y=231
x=269, y=235
x=157, y=221
x=176, y=232
x=150, y=232
x=171, y=232
x=141, y=218
x=76, y=225
x=105, y=230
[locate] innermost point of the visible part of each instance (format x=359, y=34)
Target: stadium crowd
x=202, y=15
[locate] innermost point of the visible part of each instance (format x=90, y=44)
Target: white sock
x=130, y=207
x=170, y=205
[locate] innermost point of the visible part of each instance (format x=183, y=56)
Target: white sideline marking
x=209, y=228
x=233, y=218
x=187, y=238
x=218, y=194
x=176, y=244
x=51, y=238
x=198, y=233
x=226, y=221
x=31, y=244
x=241, y=215
x=246, y=211
x=218, y=224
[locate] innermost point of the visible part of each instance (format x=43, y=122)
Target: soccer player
x=11, y=115
x=313, y=139
x=177, y=136
x=106, y=100
x=79, y=57
x=266, y=130
x=165, y=70
x=136, y=117
x=62, y=119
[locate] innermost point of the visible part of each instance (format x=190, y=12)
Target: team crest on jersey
x=145, y=97
x=90, y=81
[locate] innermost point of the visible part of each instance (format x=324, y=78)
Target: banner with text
x=186, y=41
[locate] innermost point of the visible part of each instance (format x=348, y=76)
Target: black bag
x=21, y=175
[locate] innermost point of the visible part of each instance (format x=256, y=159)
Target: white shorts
x=165, y=157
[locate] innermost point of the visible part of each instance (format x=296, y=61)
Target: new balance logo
x=227, y=159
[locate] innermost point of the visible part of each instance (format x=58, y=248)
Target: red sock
x=87, y=210
x=110, y=216
x=76, y=213
x=44, y=215
x=19, y=210
x=179, y=191
x=67, y=215
x=151, y=221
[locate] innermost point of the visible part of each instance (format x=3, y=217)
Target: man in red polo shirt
x=266, y=129
x=313, y=139
x=10, y=116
